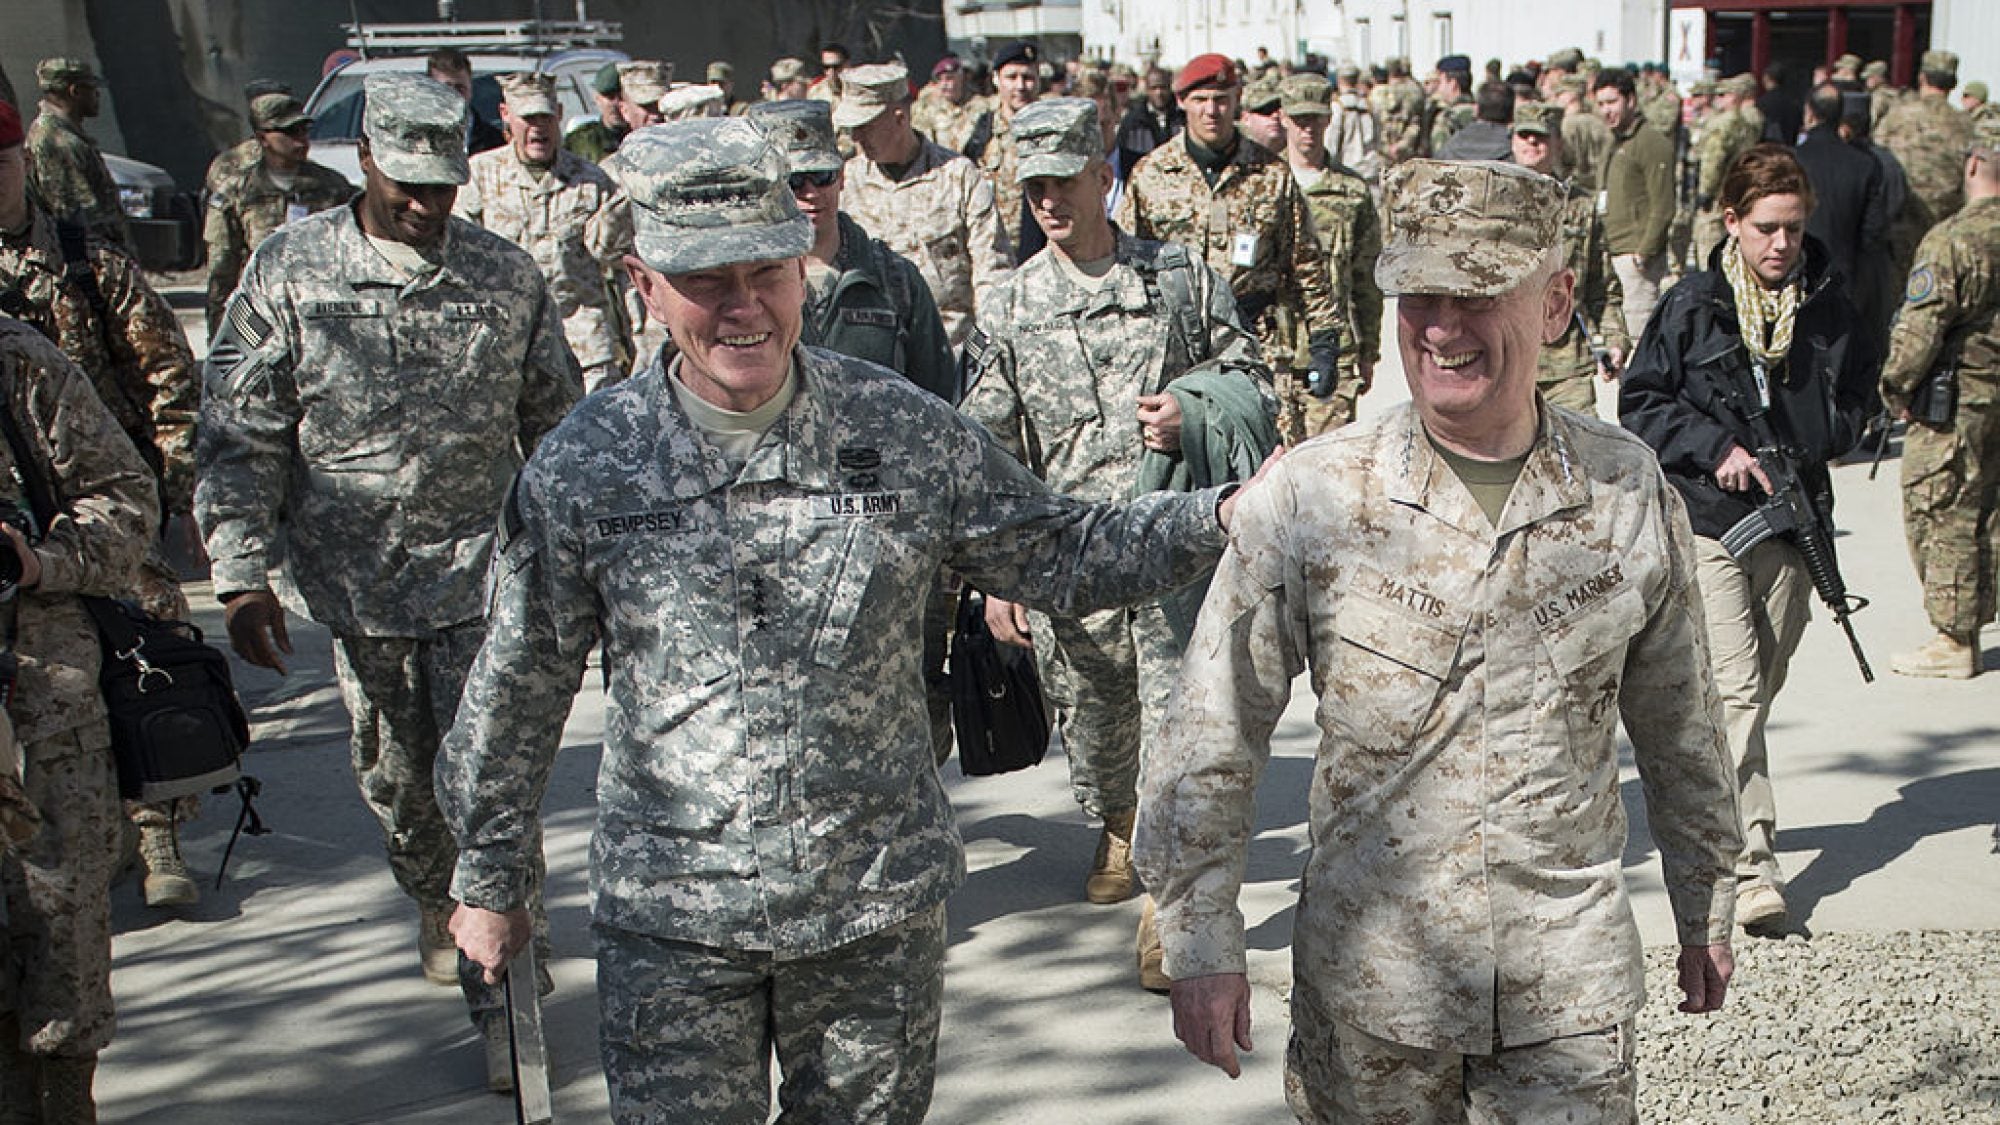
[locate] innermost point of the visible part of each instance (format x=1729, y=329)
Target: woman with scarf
x=1768, y=326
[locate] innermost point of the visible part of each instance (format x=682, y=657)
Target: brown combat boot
x=1945, y=657
x=435, y=945
x=167, y=880
x=66, y=1098
x=1111, y=879
x=1152, y=958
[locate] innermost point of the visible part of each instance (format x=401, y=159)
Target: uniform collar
x=799, y=449
x=1551, y=480
x=364, y=266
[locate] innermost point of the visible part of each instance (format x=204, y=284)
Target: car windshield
x=337, y=117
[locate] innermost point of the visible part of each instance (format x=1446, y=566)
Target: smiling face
x=415, y=214
x=1471, y=360
x=1614, y=107
x=736, y=325
x=1539, y=151
x=1771, y=235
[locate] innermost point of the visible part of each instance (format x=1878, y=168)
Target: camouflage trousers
x=55, y=961
x=1107, y=677
x=1302, y=416
x=688, y=1031
x=1951, y=488
x=1337, y=1074
x=1757, y=611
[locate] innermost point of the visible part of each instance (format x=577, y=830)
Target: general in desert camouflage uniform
x=1245, y=216
x=773, y=845
x=1951, y=472
x=1728, y=134
x=1476, y=622
x=247, y=203
x=1350, y=236
x=1567, y=369
x=566, y=213
x=361, y=418
x=935, y=208
x=1930, y=138
x=55, y=910
x=1063, y=369
x=65, y=167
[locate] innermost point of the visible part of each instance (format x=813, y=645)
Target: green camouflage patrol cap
x=276, y=111
x=1307, y=95
x=1056, y=137
x=1262, y=96
x=787, y=70
x=529, y=95
x=802, y=128
x=1466, y=228
x=1545, y=118
x=415, y=126
x=709, y=192
x=53, y=74
x=1875, y=69
x=1569, y=58
x=645, y=81
x=1939, y=62
x=1849, y=62
x=1703, y=88
x=1986, y=132
x=866, y=91
x=1740, y=85
x=1573, y=84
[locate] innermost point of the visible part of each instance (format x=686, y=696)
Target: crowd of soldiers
x=1107, y=295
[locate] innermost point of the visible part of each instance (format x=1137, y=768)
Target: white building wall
x=1972, y=29
x=1173, y=31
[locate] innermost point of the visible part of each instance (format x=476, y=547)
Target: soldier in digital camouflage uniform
x=927, y=202
x=247, y=204
x=1951, y=472
x=55, y=910
x=100, y=310
x=1930, y=138
x=1452, y=107
x=1481, y=590
x=1726, y=136
x=749, y=531
x=1350, y=235
x=381, y=372
x=65, y=167
x=1568, y=368
x=1070, y=369
x=1238, y=207
x=566, y=213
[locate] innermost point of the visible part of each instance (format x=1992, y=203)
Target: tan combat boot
x=439, y=951
x=167, y=879
x=1152, y=958
x=66, y=1098
x=1111, y=879
x=1945, y=658
x=1760, y=906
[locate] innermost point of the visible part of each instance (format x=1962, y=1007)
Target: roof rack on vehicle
x=509, y=35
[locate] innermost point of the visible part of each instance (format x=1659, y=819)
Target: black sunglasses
x=816, y=179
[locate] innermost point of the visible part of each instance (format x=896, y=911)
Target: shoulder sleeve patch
x=1923, y=285
x=978, y=346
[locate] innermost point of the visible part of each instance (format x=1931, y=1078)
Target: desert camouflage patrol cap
x=1939, y=62
x=866, y=91
x=1545, y=118
x=1875, y=69
x=802, y=128
x=709, y=192
x=1056, y=137
x=644, y=82
x=693, y=99
x=415, y=126
x=1740, y=85
x=529, y=95
x=1263, y=95
x=55, y=73
x=1569, y=58
x=787, y=70
x=1466, y=228
x=277, y=111
x=1306, y=95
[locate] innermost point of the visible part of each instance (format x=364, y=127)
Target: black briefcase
x=997, y=709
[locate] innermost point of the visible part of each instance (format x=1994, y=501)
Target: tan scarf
x=1766, y=315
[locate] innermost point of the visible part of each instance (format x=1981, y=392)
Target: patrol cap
x=276, y=111
x=1056, y=137
x=1940, y=62
x=1741, y=85
x=11, y=133
x=1849, y=61
x=1262, y=96
x=1703, y=88
x=54, y=73
x=644, y=82
x=1569, y=58
x=1545, y=118
x=720, y=71
x=866, y=91
x=787, y=70
x=1019, y=51
x=1571, y=84
x=1307, y=95
x=690, y=99
x=802, y=128
x=1209, y=70
x=1875, y=69
x=1974, y=90
x=529, y=95
x=1348, y=72
x=1466, y=228
x=1986, y=132
x=605, y=81
x=415, y=126
x=709, y=192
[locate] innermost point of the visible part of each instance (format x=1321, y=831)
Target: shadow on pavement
x=1929, y=807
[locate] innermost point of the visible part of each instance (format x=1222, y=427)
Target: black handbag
x=997, y=709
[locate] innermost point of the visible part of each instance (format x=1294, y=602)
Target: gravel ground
x=1849, y=1027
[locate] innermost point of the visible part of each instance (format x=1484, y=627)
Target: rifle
x=1884, y=423
x=1790, y=512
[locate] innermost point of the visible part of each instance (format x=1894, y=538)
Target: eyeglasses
x=816, y=179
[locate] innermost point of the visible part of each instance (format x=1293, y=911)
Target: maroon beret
x=10, y=125
x=1205, y=70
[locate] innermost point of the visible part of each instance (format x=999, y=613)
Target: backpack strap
x=981, y=136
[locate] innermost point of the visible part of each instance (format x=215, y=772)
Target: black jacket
x=1682, y=390
x=1851, y=216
